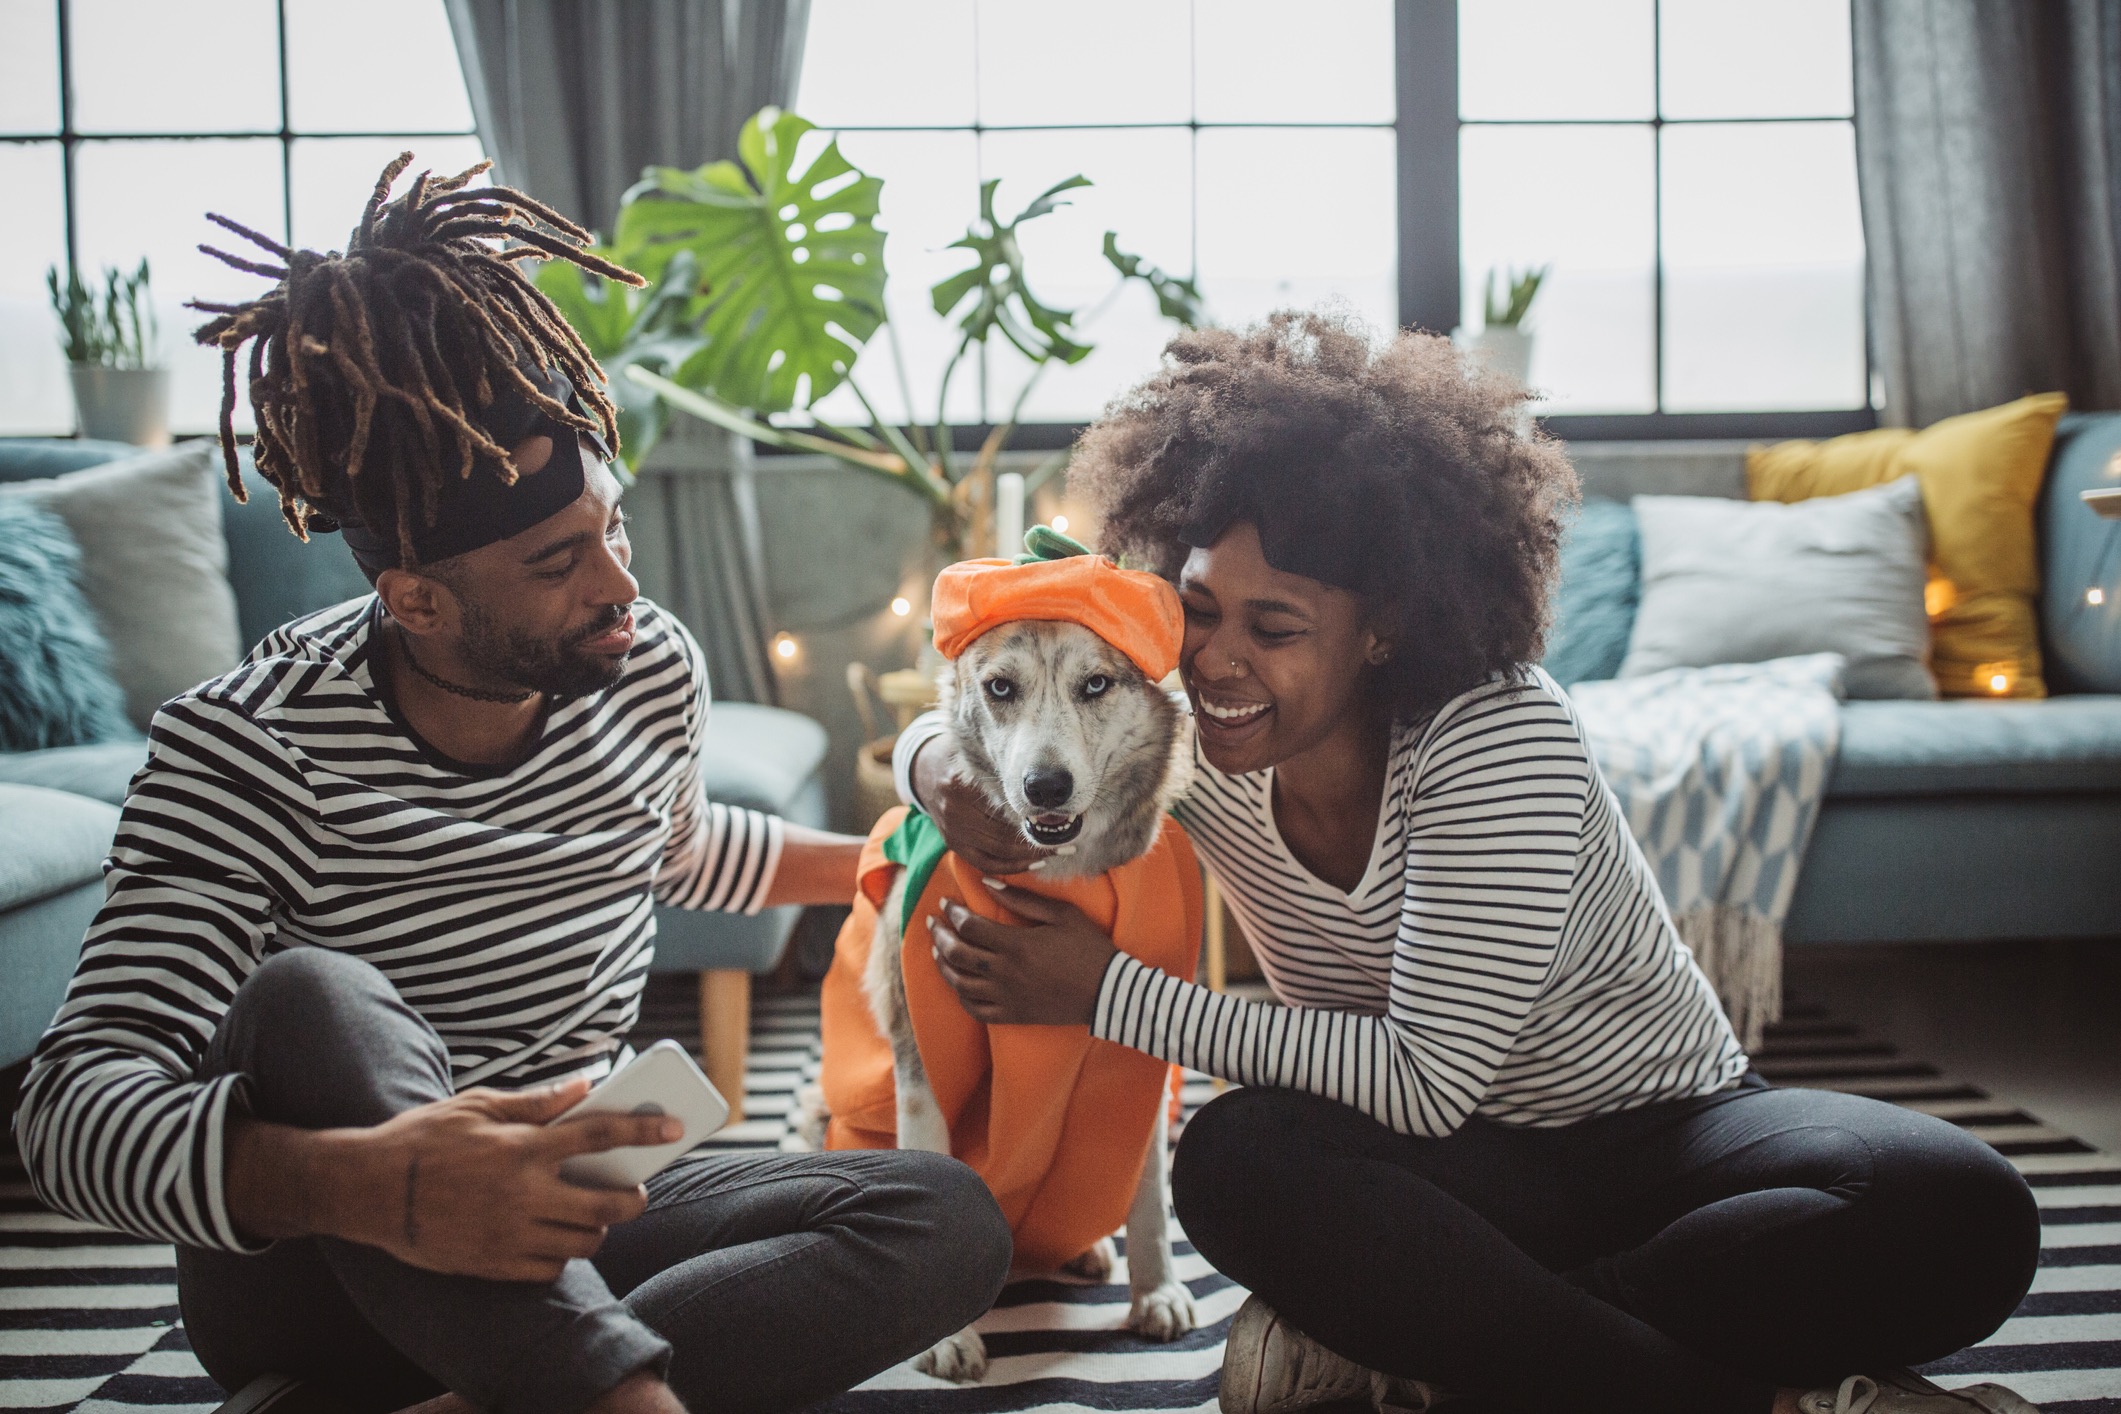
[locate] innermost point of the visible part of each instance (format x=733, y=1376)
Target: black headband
x=480, y=509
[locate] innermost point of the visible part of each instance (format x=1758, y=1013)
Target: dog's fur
x=1129, y=756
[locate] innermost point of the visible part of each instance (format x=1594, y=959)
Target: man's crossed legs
x=755, y=1281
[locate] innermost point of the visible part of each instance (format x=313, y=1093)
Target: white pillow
x=1728, y=581
x=153, y=566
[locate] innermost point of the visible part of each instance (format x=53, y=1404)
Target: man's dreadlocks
x=423, y=316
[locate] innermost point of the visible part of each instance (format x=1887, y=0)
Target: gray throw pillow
x=1728, y=581
x=153, y=566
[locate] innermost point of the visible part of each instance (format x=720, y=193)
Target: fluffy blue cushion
x=55, y=682
x=1594, y=607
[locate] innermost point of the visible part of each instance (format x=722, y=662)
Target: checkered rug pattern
x=89, y=1319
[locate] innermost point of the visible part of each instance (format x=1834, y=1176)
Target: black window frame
x=1430, y=296
x=1426, y=132
x=69, y=138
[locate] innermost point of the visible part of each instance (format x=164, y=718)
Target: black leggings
x=1685, y=1257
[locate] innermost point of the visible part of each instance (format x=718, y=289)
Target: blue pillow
x=1594, y=607
x=55, y=682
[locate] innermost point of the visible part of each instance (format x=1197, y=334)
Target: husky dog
x=1065, y=735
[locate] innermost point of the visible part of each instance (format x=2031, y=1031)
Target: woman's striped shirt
x=286, y=804
x=1506, y=954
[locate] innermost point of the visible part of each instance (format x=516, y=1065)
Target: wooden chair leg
x=1218, y=947
x=725, y=1033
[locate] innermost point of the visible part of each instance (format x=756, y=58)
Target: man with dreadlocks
x=411, y=848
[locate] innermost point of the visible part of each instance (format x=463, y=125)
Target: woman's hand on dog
x=1044, y=972
x=988, y=842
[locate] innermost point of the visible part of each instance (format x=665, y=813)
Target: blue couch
x=1962, y=820
x=58, y=807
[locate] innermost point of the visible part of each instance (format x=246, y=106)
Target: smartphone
x=662, y=1080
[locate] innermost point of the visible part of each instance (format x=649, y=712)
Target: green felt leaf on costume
x=1043, y=542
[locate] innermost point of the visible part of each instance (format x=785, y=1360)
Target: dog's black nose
x=1048, y=787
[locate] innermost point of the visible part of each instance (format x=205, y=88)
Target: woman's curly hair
x=1419, y=467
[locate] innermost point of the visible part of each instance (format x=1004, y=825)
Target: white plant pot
x=122, y=404
x=1507, y=351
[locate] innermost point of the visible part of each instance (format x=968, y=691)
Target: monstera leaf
x=653, y=328
x=790, y=264
x=1176, y=299
x=1001, y=299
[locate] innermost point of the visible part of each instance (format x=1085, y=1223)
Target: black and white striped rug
x=89, y=1322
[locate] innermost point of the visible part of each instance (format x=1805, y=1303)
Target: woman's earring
x=1377, y=656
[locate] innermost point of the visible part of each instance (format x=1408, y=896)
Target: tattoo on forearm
x=412, y=1221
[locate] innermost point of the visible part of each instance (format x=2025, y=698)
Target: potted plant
x=1504, y=344
x=121, y=393
x=767, y=283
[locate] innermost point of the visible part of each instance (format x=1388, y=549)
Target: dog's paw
x=1096, y=1263
x=961, y=1357
x=806, y=1122
x=1164, y=1312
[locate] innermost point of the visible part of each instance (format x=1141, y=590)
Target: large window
x=1687, y=168
x=123, y=121
x=1248, y=143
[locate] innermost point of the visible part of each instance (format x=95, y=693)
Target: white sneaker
x=1271, y=1367
x=1906, y=1393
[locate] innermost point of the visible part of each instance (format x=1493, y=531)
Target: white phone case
x=660, y=1080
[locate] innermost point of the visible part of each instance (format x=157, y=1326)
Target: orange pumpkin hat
x=1058, y=580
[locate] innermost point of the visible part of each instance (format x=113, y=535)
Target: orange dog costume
x=1057, y=1122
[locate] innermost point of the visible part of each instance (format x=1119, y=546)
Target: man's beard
x=560, y=669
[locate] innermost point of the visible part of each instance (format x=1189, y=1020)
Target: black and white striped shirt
x=285, y=804
x=1506, y=954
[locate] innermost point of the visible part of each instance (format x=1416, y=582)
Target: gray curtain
x=1988, y=146
x=573, y=99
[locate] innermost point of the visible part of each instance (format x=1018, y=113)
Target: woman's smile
x=1229, y=720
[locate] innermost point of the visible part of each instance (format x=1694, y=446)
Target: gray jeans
x=754, y=1281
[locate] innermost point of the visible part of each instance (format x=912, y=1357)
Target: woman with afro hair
x=1498, y=1142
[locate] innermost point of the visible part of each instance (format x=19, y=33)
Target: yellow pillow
x=1980, y=473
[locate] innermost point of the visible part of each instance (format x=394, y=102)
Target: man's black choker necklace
x=476, y=694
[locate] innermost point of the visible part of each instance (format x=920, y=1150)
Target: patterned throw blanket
x=1720, y=772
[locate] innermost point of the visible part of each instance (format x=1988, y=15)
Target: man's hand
x=1044, y=973
x=990, y=843
x=480, y=1188
x=469, y=1185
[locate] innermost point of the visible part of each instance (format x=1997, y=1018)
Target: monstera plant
x=653, y=327
x=767, y=281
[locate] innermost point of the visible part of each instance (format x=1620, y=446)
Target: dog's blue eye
x=1096, y=684
x=1000, y=689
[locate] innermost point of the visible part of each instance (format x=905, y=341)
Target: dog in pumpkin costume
x=1053, y=702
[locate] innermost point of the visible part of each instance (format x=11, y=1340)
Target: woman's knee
x=1955, y=1213
x=1246, y=1155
